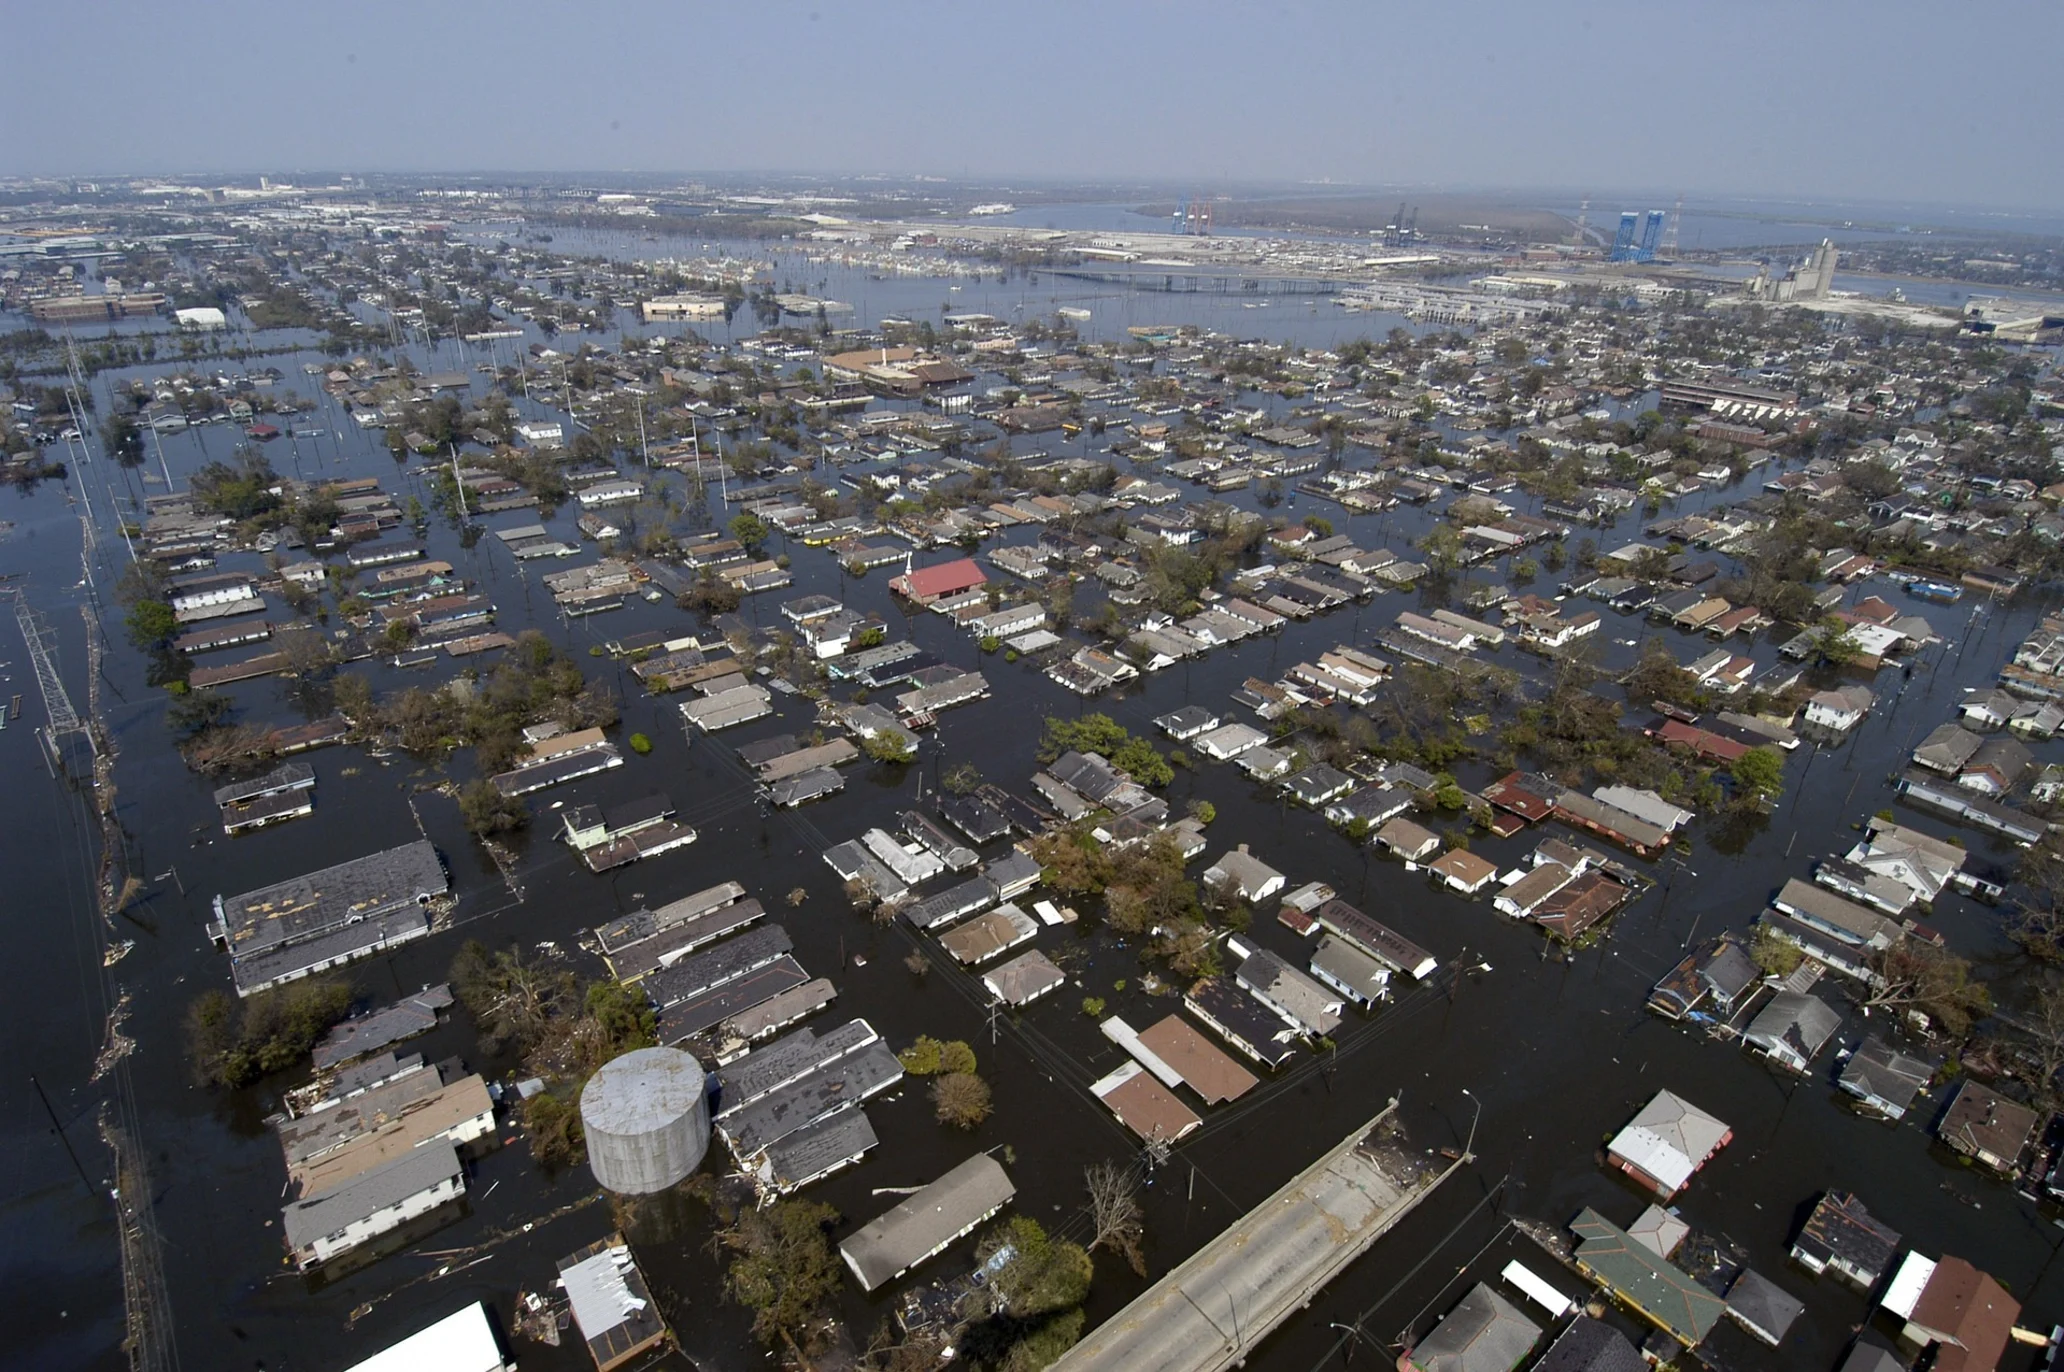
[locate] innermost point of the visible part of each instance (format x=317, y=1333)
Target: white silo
x=646, y=1114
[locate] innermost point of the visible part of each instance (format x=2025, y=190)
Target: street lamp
x=1469, y=1148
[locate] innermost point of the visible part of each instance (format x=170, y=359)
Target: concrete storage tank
x=647, y=1120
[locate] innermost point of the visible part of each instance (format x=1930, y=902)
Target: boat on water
x=1075, y=312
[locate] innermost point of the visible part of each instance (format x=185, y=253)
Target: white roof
x=1551, y=1300
x=1655, y=1155
x=1669, y=1139
x=460, y=1342
x=1907, y=1284
x=596, y=1290
x=1644, y=804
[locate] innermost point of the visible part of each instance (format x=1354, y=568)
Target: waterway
x=1557, y=1053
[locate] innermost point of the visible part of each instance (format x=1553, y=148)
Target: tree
x=1042, y=1274
x=710, y=595
x=489, y=811
x=512, y=999
x=150, y=623
x=1116, y=1220
x=557, y=1137
x=1140, y=760
x=961, y=1099
x=784, y=1270
x=927, y=1057
x=1775, y=955
x=2043, y=1025
x=192, y=712
x=749, y=529
x=1837, y=644
x=884, y=746
x=1091, y=733
x=233, y=1043
x=1911, y=975
x=1658, y=676
x=617, y=1020
x=1759, y=772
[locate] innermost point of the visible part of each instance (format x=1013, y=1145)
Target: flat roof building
x=612, y=1305
x=463, y=1341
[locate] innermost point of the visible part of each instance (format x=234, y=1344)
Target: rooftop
x=920, y=1225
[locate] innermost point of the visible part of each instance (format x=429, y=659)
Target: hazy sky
x=1881, y=99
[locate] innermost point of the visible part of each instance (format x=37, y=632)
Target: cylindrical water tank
x=647, y=1120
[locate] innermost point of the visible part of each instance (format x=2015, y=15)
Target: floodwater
x=1557, y=1053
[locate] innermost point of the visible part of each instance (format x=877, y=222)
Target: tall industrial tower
x=1669, y=247
x=1651, y=237
x=1623, y=242
x=1583, y=222
x=1823, y=269
x=1627, y=247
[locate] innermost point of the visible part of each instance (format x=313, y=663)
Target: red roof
x=1969, y=1307
x=1700, y=741
x=1510, y=793
x=929, y=583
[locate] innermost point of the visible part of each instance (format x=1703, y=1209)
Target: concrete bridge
x=1212, y=1312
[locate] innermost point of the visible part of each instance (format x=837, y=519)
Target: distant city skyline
x=1895, y=103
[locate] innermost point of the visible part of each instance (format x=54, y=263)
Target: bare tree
x=2044, y=1026
x=1115, y=1217
x=1919, y=976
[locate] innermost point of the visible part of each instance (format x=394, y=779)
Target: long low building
x=309, y=924
x=1378, y=940
x=460, y=1342
x=669, y=945
x=841, y=1083
x=692, y=976
x=922, y=1225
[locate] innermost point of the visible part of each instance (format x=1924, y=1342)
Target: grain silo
x=647, y=1119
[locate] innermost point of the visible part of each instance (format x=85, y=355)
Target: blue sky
x=1830, y=99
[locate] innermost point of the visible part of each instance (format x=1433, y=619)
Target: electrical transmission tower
x=42, y=641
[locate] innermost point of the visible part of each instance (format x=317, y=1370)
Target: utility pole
x=163, y=466
x=58, y=1129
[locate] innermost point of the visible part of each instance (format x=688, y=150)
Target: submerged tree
x=1116, y=1220
x=784, y=1270
x=1911, y=975
x=961, y=1099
